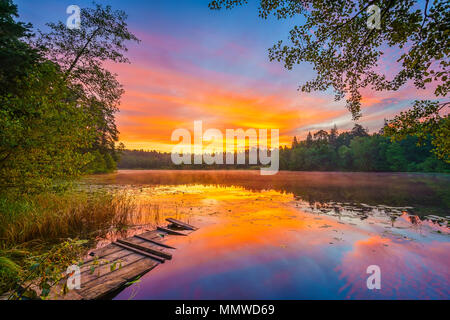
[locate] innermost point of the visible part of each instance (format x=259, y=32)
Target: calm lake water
x=295, y=235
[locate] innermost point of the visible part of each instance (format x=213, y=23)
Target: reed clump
x=51, y=217
x=34, y=226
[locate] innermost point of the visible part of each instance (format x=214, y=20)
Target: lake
x=294, y=235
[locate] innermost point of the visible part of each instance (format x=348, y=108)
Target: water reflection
x=407, y=276
x=260, y=238
x=422, y=193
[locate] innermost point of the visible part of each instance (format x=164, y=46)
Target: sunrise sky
x=198, y=64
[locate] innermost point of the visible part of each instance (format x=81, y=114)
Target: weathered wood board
x=110, y=268
x=180, y=224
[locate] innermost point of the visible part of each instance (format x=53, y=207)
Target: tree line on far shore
x=355, y=150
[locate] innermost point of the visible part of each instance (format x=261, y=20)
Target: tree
x=321, y=136
x=358, y=131
x=41, y=132
x=81, y=53
x=369, y=153
x=333, y=136
x=363, y=153
x=345, y=157
x=309, y=140
x=16, y=57
x=344, y=51
x=396, y=158
x=344, y=139
x=55, y=117
x=294, y=142
x=41, y=129
x=425, y=122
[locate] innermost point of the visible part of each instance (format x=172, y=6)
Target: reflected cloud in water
x=295, y=235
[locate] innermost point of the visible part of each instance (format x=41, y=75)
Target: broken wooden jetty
x=109, y=269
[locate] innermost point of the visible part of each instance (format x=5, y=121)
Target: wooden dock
x=112, y=267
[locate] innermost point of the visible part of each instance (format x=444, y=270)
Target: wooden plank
x=56, y=294
x=154, y=242
x=135, y=256
x=150, y=245
x=72, y=295
x=154, y=234
x=115, y=280
x=181, y=224
x=102, y=252
x=145, y=254
x=101, y=271
x=169, y=231
x=111, y=257
x=160, y=253
x=91, y=279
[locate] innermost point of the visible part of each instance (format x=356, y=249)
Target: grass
x=40, y=234
x=51, y=217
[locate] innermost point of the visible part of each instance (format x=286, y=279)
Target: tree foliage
x=355, y=150
x=81, y=53
x=15, y=55
x=425, y=122
x=42, y=131
x=346, y=53
x=57, y=101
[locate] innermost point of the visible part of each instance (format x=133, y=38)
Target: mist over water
x=295, y=235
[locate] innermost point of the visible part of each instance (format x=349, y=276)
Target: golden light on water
x=271, y=237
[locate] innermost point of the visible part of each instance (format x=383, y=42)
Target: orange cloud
x=159, y=100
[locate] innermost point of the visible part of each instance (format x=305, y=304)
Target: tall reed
x=51, y=217
x=34, y=226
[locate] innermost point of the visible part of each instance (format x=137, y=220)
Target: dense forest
x=57, y=100
x=356, y=150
